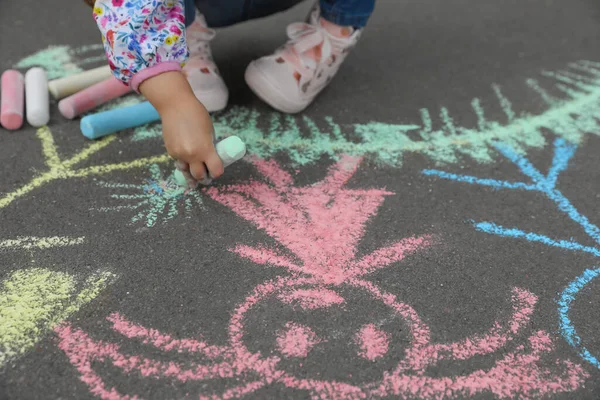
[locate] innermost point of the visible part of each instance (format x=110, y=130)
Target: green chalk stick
x=179, y=178
x=231, y=150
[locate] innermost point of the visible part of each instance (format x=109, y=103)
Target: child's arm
x=144, y=41
x=187, y=126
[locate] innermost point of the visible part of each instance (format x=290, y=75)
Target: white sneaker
x=201, y=70
x=291, y=78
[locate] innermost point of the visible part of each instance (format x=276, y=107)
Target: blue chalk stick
x=102, y=124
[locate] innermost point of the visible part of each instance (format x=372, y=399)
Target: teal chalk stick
x=105, y=123
x=230, y=149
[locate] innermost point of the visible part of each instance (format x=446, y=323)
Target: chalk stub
x=180, y=178
x=63, y=87
x=12, y=99
x=37, y=100
x=92, y=97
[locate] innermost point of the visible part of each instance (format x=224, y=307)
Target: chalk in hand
x=72, y=84
x=12, y=101
x=180, y=179
x=92, y=97
x=230, y=150
x=37, y=100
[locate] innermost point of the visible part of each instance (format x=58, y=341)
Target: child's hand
x=187, y=126
x=188, y=135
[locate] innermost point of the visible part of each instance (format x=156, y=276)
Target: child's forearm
x=167, y=90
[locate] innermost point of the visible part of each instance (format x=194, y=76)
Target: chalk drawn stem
x=64, y=169
x=564, y=304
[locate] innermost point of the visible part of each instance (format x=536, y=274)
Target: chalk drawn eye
x=296, y=340
x=372, y=341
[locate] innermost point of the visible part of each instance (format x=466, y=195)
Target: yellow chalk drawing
x=31, y=242
x=34, y=301
x=64, y=169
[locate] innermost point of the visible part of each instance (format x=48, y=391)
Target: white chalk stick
x=63, y=87
x=37, y=101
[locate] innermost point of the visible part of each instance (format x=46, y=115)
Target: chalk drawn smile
x=352, y=326
x=326, y=279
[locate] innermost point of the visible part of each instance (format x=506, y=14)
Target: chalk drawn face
x=341, y=333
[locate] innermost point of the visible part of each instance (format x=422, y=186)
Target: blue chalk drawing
x=545, y=184
x=156, y=197
x=564, y=303
x=493, y=229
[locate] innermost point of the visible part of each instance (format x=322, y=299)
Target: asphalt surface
x=314, y=327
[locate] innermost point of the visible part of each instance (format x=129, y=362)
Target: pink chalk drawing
x=319, y=227
x=373, y=342
x=296, y=340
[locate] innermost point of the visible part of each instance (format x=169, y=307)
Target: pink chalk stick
x=92, y=97
x=13, y=100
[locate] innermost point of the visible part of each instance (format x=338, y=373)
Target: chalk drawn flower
x=547, y=185
x=158, y=198
x=328, y=279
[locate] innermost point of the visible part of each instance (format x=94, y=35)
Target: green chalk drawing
x=535, y=85
x=481, y=122
x=157, y=197
x=306, y=140
x=427, y=125
x=569, y=117
x=448, y=122
x=148, y=131
x=34, y=301
x=504, y=103
x=60, y=61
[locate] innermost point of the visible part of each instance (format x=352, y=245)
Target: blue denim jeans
x=220, y=13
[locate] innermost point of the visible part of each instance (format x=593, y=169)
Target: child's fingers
x=191, y=182
x=185, y=170
x=182, y=165
x=214, y=165
x=198, y=171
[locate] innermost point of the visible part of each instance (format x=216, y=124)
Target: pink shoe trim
x=154, y=70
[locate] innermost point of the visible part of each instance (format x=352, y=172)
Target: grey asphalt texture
x=182, y=278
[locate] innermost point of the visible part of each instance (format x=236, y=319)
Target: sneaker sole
x=257, y=81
